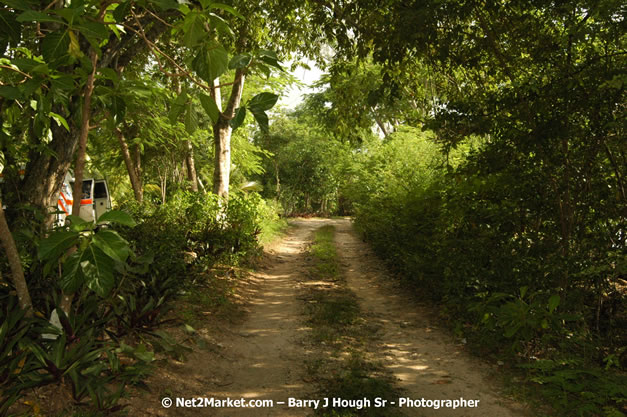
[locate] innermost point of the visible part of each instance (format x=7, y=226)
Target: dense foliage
x=304, y=169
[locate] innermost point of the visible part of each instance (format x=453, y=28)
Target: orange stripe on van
x=60, y=204
x=86, y=201
x=68, y=202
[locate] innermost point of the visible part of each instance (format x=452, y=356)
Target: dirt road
x=427, y=362
x=263, y=358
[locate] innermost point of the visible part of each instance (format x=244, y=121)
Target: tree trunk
x=82, y=140
x=222, y=138
x=77, y=192
x=15, y=263
x=222, y=160
x=201, y=185
x=278, y=180
x=46, y=171
x=131, y=167
x=163, y=182
x=380, y=123
x=138, y=162
x=191, y=166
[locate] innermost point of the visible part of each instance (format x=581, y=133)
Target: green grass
x=326, y=264
x=271, y=230
x=340, y=363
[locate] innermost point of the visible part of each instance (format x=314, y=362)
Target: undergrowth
x=125, y=279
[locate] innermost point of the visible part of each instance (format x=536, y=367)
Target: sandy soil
x=263, y=357
x=427, y=362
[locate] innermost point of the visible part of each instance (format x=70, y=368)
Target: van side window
x=100, y=190
x=86, y=189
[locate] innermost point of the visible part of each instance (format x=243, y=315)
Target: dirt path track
x=427, y=363
x=263, y=358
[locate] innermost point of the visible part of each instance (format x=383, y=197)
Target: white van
x=95, y=199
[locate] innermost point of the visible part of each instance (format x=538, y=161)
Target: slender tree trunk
x=77, y=192
x=131, y=167
x=201, y=185
x=189, y=163
x=82, y=139
x=138, y=162
x=164, y=185
x=278, y=180
x=191, y=166
x=216, y=93
x=380, y=123
x=163, y=182
x=222, y=160
x=222, y=137
x=15, y=263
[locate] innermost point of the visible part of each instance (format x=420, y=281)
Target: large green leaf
x=226, y=8
x=221, y=25
x=91, y=266
x=55, y=46
x=99, y=272
x=120, y=12
x=60, y=120
x=35, y=16
x=57, y=243
x=73, y=276
x=117, y=216
x=93, y=30
x=118, y=108
x=77, y=224
x=191, y=118
x=218, y=60
x=240, y=115
x=210, y=107
x=114, y=245
x=35, y=65
x=177, y=107
x=262, y=102
x=10, y=92
x=262, y=120
x=63, y=82
x=240, y=61
x=10, y=26
x=211, y=62
x=269, y=58
x=70, y=14
x=193, y=29
x=554, y=302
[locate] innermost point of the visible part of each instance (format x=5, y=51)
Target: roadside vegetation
x=113, y=333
